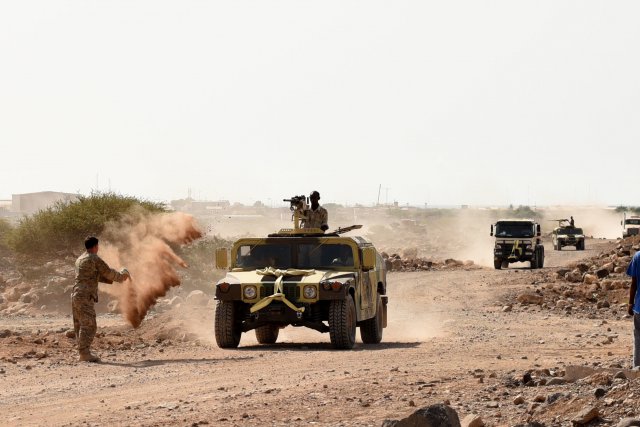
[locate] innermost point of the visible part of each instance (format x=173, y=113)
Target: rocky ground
x=495, y=346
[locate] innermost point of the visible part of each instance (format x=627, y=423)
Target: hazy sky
x=441, y=102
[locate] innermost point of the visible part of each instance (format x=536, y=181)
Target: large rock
x=583, y=267
x=530, y=298
x=602, y=272
x=472, y=420
x=629, y=422
x=439, y=415
x=589, y=279
x=585, y=416
x=574, y=276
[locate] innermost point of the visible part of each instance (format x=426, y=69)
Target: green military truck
x=517, y=240
x=301, y=277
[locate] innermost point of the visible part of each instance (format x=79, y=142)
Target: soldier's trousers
x=84, y=321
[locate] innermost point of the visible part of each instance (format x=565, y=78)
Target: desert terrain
x=495, y=345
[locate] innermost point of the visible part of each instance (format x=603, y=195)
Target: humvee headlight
x=310, y=292
x=250, y=292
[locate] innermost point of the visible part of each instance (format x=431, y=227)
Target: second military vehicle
x=517, y=240
x=568, y=236
x=630, y=226
x=301, y=277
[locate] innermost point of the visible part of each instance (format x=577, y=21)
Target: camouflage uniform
x=315, y=219
x=90, y=269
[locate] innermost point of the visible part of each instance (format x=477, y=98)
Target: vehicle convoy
x=630, y=226
x=517, y=240
x=301, y=277
x=568, y=236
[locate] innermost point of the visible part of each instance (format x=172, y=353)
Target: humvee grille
x=290, y=291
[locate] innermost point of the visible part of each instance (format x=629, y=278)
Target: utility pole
x=379, y=188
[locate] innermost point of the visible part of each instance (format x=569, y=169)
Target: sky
x=436, y=102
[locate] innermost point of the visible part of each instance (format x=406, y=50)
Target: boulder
x=530, y=298
x=472, y=420
x=602, y=273
x=439, y=415
x=583, y=267
x=629, y=422
x=585, y=416
x=589, y=279
x=574, y=276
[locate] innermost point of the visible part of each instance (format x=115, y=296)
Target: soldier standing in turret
x=317, y=216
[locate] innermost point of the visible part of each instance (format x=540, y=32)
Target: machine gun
x=299, y=205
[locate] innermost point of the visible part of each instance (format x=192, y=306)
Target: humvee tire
x=342, y=323
x=580, y=246
x=497, y=264
x=226, y=328
x=267, y=334
x=371, y=329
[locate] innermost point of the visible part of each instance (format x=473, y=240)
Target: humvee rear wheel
x=371, y=329
x=342, y=323
x=226, y=328
x=267, y=334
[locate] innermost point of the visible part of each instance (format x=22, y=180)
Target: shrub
x=5, y=231
x=63, y=227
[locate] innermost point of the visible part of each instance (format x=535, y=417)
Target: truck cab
x=630, y=226
x=517, y=240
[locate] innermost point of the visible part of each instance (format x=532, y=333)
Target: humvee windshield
x=294, y=255
x=514, y=229
x=570, y=230
x=632, y=221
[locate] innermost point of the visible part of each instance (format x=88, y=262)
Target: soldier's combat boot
x=88, y=357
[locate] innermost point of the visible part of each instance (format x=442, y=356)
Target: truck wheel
x=371, y=329
x=342, y=323
x=267, y=334
x=226, y=328
x=541, y=257
x=497, y=264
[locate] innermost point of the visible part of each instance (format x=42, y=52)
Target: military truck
x=301, y=277
x=567, y=236
x=630, y=226
x=517, y=240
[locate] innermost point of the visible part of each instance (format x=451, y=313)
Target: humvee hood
x=236, y=277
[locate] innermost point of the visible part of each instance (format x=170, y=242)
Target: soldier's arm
x=107, y=273
x=325, y=219
x=632, y=294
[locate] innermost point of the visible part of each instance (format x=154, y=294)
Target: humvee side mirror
x=222, y=259
x=538, y=229
x=491, y=234
x=368, y=258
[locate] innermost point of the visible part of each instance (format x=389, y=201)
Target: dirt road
x=448, y=340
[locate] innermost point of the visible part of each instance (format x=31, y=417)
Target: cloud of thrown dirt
x=144, y=244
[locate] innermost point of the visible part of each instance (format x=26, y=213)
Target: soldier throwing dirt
x=90, y=269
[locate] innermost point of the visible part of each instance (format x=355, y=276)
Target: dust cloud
x=143, y=243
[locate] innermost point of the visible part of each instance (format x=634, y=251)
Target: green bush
x=5, y=231
x=62, y=227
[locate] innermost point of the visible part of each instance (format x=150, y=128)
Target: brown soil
x=448, y=340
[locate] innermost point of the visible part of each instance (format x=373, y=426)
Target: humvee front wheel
x=267, y=334
x=497, y=264
x=342, y=323
x=371, y=329
x=226, y=328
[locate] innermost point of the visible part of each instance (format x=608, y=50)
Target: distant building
x=197, y=206
x=29, y=203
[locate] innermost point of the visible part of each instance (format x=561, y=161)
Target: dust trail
x=143, y=243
